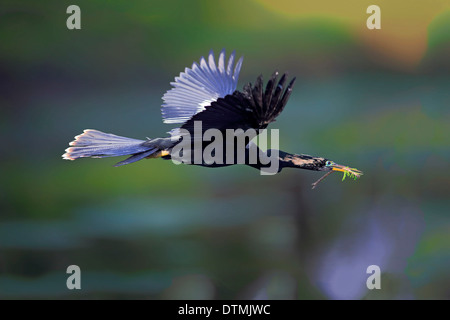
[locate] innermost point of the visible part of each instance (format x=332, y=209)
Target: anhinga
x=206, y=94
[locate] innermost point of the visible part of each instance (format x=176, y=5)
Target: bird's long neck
x=301, y=161
x=288, y=160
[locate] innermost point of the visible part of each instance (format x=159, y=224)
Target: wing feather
x=252, y=108
x=197, y=87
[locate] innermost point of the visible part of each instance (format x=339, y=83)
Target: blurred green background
x=377, y=100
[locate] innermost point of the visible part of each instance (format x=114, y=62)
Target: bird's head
x=328, y=165
x=303, y=161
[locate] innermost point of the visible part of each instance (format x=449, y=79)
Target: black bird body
x=206, y=94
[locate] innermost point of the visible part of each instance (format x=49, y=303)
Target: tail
x=97, y=144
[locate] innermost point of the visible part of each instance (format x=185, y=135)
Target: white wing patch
x=197, y=87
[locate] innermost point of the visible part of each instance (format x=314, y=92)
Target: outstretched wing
x=197, y=87
x=253, y=108
x=269, y=104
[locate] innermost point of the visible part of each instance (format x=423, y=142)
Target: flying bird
x=206, y=95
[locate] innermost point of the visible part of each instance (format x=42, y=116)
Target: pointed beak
x=352, y=172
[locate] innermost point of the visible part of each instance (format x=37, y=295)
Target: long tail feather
x=136, y=157
x=96, y=144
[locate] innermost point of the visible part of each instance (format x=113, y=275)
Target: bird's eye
x=329, y=163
